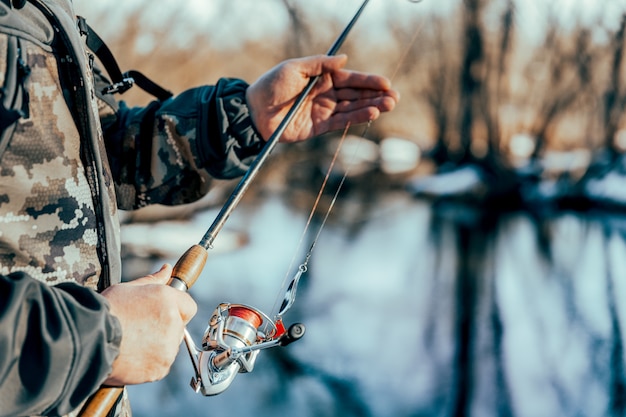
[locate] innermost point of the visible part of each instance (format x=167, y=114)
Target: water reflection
x=418, y=315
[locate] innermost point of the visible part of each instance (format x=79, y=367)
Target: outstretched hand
x=339, y=98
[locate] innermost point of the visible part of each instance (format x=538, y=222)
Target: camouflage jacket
x=70, y=157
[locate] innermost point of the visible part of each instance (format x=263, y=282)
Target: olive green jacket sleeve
x=168, y=152
x=56, y=345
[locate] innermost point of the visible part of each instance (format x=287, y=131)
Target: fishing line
x=288, y=290
x=407, y=50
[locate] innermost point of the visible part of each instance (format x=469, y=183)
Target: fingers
x=360, y=80
x=352, y=94
x=383, y=103
x=320, y=64
x=341, y=120
x=353, y=90
x=360, y=111
x=187, y=307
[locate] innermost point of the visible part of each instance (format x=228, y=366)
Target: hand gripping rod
x=192, y=262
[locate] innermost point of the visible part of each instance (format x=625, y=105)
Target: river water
x=420, y=312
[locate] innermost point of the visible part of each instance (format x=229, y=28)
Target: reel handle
x=188, y=268
x=295, y=332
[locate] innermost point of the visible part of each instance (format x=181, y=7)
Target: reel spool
x=235, y=336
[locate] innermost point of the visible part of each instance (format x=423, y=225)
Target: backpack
x=14, y=98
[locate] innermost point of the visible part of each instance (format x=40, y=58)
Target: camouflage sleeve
x=57, y=344
x=167, y=152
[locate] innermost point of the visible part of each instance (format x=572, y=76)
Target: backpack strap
x=121, y=82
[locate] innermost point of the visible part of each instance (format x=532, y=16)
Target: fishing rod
x=236, y=332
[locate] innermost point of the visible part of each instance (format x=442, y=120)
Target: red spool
x=247, y=314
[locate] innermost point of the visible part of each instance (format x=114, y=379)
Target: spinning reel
x=235, y=336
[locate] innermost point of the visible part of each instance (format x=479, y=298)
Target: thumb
x=320, y=64
x=162, y=276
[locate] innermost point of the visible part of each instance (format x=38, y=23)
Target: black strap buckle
x=120, y=87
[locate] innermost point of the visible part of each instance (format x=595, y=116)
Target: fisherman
x=71, y=156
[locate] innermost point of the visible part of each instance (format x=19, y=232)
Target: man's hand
x=339, y=97
x=153, y=317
